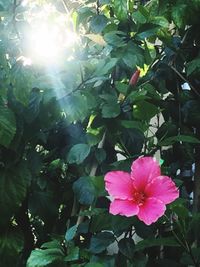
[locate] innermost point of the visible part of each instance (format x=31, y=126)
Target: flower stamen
x=139, y=198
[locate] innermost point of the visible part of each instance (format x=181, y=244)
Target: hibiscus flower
x=143, y=192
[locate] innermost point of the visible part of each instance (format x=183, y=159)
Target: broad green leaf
x=147, y=32
x=14, y=183
x=33, y=108
x=147, y=243
x=72, y=254
x=179, y=138
x=46, y=257
x=78, y=153
x=110, y=110
x=179, y=14
x=120, y=9
x=121, y=87
x=100, y=155
x=105, y=67
x=98, y=182
x=135, y=125
x=101, y=241
x=51, y=244
x=111, y=107
x=7, y=126
x=115, y=38
x=132, y=55
x=94, y=264
x=193, y=66
x=161, y=21
x=84, y=190
x=71, y=232
x=75, y=106
x=126, y=247
x=11, y=244
x=22, y=80
x=141, y=15
x=101, y=222
x=167, y=129
x=98, y=23
x=96, y=38
x=43, y=202
x=144, y=110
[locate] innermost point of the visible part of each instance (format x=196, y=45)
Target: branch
x=183, y=78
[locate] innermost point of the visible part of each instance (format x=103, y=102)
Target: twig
x=183, y=78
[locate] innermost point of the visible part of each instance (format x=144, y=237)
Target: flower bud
x=134, y=78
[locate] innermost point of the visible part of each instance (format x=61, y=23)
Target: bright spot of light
x=49, y=43
x=26, y=61
x=51, y=38
x=45, y=44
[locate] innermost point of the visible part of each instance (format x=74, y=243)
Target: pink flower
x=143, y=192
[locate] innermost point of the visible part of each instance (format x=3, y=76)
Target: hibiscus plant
x=99, y=133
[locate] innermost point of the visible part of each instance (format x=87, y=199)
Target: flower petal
x=143, y=170
x=123, y=207
x=151, y=210
x=162, y=188
x=119, y=184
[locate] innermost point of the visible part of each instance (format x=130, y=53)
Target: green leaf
x=178, y=14
x=126, y=247
x=144, y=110
x=11, y=244
x=161, y=21
x=46, y=257
x=146, y=32
x=120, y=9
x=73, y=254
x=100, y=155
x=43, y=201
x=98, y=182
x=98, y=23
x=75, y=106
x=115, y=38
x=32, y=111
x=110, y=107
x=14, y=183
x=147, y=243
x=78, y=153
x=121, y=87
x=94, y=264
x=7, y=126
x=71, y=232
x=22, y=80
x=84, y=190
x=179, y=138
x=132, y=55
x=141, y=15
x=134, y=125
x=105, y=67
x=193, y=66
x=110, y=110
x=101, y=241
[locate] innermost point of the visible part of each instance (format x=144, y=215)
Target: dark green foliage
x=63, y=125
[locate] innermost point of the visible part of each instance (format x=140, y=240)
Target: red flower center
x=139, y=198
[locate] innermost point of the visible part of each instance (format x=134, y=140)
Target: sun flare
x=51, y=38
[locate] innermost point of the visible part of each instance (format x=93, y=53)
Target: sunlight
x=51, y=38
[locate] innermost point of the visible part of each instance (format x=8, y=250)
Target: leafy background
x=63, y=127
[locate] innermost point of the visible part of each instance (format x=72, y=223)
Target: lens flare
x=51, y=38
